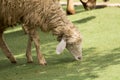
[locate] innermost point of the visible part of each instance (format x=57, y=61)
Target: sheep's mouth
x=78, y=58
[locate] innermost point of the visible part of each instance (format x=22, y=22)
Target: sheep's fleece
x=32, y=13
x=46, y=14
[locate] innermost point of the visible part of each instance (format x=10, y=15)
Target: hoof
x=43, y=64
x=30, y=62
x=70, y=12
x=14, y=62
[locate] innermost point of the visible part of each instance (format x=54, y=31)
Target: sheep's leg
x=35, y=37
x=29, y=45
x=28, y=51
x=6, y=50
x=24, y=28
x=70, y=7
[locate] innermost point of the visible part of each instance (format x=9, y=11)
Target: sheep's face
x=89, y=4
x=75, y=50
x=73, y=43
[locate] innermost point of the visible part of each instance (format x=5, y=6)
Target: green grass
x=101, y=51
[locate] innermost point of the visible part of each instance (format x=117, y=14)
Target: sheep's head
x=88, y=4
x=72, y=41
x=75, y=49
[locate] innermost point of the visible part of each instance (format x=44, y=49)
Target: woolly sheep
x=87, y=4
x=45, y=14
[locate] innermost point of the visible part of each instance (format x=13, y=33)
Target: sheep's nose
x=79, y=58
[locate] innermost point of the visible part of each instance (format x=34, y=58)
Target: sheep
x=87, y=4
x=46, y=15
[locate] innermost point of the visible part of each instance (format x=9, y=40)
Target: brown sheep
x=87, y=4
x=48, y=16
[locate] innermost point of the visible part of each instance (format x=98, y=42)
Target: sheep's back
x=12, y=11
x=31, y=12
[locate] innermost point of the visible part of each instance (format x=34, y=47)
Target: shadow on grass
x=84, y=20
x=116, y=49
x=92, y=63
x=59, y=66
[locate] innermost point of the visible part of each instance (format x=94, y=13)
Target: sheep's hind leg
x=35, y=37
x=5, y=49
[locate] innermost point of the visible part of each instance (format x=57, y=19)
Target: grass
x=101, y=51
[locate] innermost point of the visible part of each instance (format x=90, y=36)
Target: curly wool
x=48, y=15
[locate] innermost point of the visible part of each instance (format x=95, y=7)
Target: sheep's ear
x=61, y=46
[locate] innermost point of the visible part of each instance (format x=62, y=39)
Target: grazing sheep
x=46, y=15
x=87, y=4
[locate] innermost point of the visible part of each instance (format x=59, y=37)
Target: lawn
x=101, y=51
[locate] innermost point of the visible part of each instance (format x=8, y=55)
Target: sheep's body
x=87, y=4
x=48, y=15
x=22, y=11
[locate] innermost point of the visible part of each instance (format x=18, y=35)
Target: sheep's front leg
x=70, y=7
x=35, y=37
x=28, y=51
x=5, y=49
